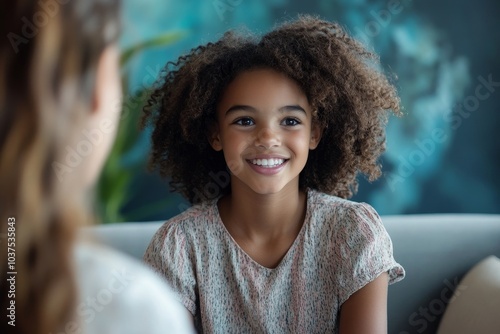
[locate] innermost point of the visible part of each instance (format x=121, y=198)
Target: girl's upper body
x=257, y=132
x=341, y=247
x=60, y=95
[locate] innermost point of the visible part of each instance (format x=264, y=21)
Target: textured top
x=118, y=294
x=341, y=247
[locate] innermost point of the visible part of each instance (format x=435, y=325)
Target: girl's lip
x=267, y=156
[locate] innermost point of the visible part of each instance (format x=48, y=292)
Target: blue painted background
x=443, y=156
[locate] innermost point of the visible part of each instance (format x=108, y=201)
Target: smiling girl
x=292, y=118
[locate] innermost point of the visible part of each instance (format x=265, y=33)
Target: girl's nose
x=267, y=138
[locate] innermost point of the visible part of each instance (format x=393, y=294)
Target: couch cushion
x=476, y=307
x=436, y=250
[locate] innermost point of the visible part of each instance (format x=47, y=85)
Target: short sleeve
x=169, y=255
x=365, y=250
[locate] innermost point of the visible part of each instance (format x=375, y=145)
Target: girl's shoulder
x=342, y=214
x=192, y=219
x=195, y=212
x=323, y=201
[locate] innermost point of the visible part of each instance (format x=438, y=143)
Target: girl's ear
x=316, y=132
x=214, y=137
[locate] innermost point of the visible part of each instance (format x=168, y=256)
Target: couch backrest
x=130, y=238
x=435, y=250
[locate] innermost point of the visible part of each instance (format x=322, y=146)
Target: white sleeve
x=121, y=295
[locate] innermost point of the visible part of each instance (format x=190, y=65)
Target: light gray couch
x=436, y=251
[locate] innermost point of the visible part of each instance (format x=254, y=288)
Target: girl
x=59, y=91
x=266, y=137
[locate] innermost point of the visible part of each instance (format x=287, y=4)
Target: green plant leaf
x=159, y=41
x=113, y=186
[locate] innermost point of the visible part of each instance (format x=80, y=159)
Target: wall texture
x=442, y=156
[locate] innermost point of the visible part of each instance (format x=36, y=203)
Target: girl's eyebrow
x=240, y=107
x=283, y=109
x=294, y=107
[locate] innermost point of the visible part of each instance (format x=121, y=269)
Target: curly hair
x=342, y=80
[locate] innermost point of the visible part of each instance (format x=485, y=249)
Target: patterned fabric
x=341, y=247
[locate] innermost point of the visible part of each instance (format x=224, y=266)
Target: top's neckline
x=290, y=250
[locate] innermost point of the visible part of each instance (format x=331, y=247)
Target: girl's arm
x=366, y=310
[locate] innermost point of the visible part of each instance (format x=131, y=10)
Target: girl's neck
x=252, y=216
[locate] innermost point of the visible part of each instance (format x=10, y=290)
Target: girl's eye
x=290, y=122
x=245, y=121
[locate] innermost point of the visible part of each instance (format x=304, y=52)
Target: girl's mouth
x=267, y=163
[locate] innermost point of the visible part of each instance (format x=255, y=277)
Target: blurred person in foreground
x=59, y=95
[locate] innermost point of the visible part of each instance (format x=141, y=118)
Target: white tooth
x=268, y=162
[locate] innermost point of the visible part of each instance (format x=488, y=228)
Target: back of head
x=48, y=58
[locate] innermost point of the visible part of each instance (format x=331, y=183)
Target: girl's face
x=265, y=131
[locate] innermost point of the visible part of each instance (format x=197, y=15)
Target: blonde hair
x=47, y=65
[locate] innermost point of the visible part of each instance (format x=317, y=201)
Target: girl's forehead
x=263, y=85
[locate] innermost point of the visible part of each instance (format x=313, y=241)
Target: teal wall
x=443, y=156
